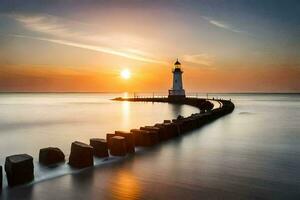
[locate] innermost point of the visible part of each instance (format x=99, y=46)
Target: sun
x=125, y=74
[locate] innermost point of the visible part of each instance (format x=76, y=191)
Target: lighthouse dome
x=177, y=62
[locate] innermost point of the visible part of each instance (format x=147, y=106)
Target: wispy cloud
x=201, y=59
x=62, y=32
x=223, y=25
x=93, y=48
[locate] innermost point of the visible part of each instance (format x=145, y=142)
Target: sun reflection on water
x=125, y=114
x=126, y=186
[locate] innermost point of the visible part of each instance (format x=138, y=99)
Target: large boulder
x=118, y=146
x=51, y=155
x=19, y=169
x=99, y=147
x=81, y=155
x=130, y=146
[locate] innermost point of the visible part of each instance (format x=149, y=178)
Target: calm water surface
x=253, y=153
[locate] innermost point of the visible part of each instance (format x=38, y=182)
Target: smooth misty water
x=253, y=153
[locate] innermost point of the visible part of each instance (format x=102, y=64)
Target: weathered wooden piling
x=156, y=132
x=51, y=155
x=143, y=138
x=136, y=136
x=164, y=135
x=130, y=146
x=1, y=179
x=81, y=155
x=172, y=130
x=99, y=147
x=150, y=136
x=108, y=136
x=179, y=126
x=19, y=169
x=154, y=138
x=118, y=146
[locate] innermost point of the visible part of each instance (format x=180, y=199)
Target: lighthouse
x=177, y=92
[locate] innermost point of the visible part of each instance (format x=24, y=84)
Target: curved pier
x=209, y=108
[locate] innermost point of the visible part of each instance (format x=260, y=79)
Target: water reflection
x=125, y=95
x=176, y=109
x=125, y=114
x=126, y=185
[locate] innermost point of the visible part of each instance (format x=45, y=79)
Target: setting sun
x=125, y=74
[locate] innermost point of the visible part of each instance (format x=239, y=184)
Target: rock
x=118, y=146
x=19, y=169
x=99, y=147
x=51, y=155
x=108, y=136
x=130, y=146
x=81, y=155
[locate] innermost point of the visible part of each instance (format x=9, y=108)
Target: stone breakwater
x=20, y=168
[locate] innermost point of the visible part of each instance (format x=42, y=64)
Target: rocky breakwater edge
x=19, y=168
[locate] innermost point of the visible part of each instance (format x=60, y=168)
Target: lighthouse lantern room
x=177, y=92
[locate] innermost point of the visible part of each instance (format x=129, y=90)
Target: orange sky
x=83, y=46
x=157, y=79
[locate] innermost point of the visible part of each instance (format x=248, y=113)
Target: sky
x=82, y=46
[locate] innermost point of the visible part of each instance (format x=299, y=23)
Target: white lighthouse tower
x=177, y=92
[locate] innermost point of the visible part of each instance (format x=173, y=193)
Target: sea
x=252, y=153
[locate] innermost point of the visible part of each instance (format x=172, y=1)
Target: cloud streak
x=66, y=35
x=222, y=25
x=92, y=48
x=201, y=59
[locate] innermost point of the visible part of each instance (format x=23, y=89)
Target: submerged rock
x=81, y=155
x=19, y=169
x=99, y=147
x=118, y=146
x=51, y=155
